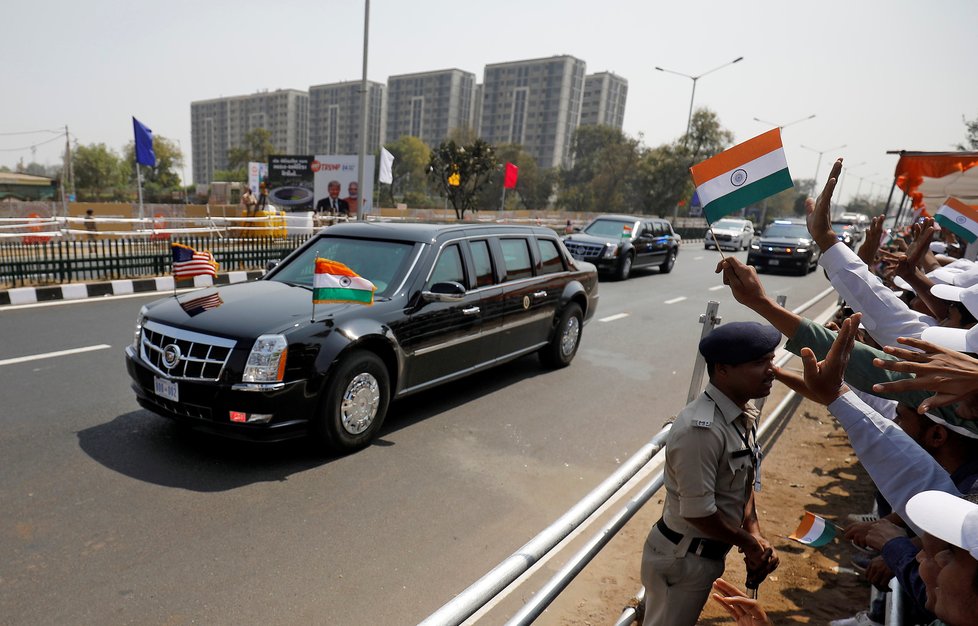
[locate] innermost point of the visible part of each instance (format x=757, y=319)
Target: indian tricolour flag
x=959, y=218
x=335, y=282
x=814, y=531
x=742, y=175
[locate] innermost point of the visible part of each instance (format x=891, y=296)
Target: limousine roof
x=423, y=233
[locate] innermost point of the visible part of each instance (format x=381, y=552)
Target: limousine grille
x=584, y=251
x=182, y=354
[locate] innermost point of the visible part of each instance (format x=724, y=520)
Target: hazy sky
x=878, y=74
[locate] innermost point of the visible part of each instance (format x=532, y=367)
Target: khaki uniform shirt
x=708, y=466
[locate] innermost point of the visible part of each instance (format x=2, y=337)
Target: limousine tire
x=669, y=263
x=625, y=267
x=354, y=403
x=567, y=337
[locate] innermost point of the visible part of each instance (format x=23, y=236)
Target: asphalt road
x=111, y=515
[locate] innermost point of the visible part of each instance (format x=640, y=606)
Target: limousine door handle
x=472, y=310
x=540, y=294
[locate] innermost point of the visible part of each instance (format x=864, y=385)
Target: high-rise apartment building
x=220, y=124
x=334, y=117
x=535, y=103
x=604, y=100
x=429, y=105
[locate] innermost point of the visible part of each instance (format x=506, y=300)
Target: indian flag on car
x=959, y=218
x=814, y=531
x=626, y=231
x=335, y=282
x=742, y=175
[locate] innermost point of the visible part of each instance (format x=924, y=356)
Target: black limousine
x=252, y=360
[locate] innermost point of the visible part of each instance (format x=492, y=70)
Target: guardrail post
x=709, y=320
x=782, y=300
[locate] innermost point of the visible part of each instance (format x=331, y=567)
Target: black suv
x=617, y=243
x=256, y=361
x=784, y=244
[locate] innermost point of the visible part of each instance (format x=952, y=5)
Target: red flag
x=509, y=182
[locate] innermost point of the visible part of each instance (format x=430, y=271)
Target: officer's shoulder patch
x=703, y=418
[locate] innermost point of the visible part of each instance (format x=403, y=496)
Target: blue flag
x=144, y=144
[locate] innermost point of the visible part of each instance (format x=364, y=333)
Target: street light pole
x=818, y=164
x=692, y=96
x=783, y=126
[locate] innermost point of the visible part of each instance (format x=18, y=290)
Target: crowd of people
x=896, y=368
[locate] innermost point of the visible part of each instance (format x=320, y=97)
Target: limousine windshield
x=384, y=263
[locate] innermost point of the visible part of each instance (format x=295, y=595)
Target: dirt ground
x=812, y=468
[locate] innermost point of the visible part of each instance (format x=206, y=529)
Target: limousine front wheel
x=355, y=402
x=567, y=336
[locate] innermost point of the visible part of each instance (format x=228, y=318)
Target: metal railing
x=65, y=260
x=639, y=467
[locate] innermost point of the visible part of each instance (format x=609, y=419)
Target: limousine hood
x=242, y=310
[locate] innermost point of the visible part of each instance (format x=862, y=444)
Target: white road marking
x=51, y=355
x=697, y=258
x=675, y=300
x=145, y=294
x=717, y=288
x=612, y=318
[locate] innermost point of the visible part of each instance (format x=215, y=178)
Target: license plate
x=773, y=262
x=166, y=389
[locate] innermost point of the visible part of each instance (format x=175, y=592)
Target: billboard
x=257, y=172
x=324, y=183
x=290, y=182
x=335, y=184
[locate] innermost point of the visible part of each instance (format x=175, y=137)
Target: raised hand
x=951, y=375
x=742, y=280
x=823, y=380
x=819, y=212
x=871, y=241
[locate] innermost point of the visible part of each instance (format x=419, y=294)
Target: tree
x=411, y=158
x=534, y=186
x=664, y=179
x=971, y=140
x=469, y=167
x=256, y=147
x=603, y=175
x=162, y=180
x=99, y=172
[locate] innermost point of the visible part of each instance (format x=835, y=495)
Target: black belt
x=706, y=548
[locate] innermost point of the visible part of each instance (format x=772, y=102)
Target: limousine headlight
x=140, y=320
x=266, y=362
x=610, y=250
x=755, y=246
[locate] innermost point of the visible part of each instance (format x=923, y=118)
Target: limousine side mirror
x=757, y=232
x=272, y=265
x=448, y=291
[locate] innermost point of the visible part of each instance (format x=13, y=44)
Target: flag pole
x=502, y=205
x=139, y=183
x=312, y=318
x=716, y=241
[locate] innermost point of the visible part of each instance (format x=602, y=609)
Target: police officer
x=711, y=473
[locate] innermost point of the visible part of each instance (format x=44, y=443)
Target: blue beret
x=739, y=342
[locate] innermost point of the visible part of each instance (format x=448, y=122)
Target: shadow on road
x=155, y=450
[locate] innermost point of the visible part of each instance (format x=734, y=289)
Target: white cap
x=947, y=517
x=938, y=247
x=968, y=296
x=957, y=339
x=944, y=274
x=902, y=284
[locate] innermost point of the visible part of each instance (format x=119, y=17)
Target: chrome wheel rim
x=568, y=339
x=360, y=403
